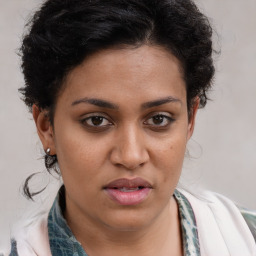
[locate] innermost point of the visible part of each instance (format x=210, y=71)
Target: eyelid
x=86, y=117
x=159, y=113
x=166, y=115
x=93, y=114
x=90, y=114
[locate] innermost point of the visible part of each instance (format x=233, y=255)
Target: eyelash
x=165, y=118
x=88, y=119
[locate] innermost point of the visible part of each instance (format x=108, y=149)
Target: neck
x=161, y=237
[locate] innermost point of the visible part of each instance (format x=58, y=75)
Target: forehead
x=146, y=71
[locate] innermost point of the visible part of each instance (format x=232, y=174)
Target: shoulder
x=221, y=225
x=249, y=216
x=31, y=238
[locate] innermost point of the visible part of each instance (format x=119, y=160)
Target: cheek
x=79, y=156
x=80, y=164
x=169, y=158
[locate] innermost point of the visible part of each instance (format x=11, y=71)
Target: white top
x=221, y=228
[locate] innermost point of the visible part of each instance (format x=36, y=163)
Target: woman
x=114, y=88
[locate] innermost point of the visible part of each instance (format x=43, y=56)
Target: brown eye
x=96, y=121
x=159, y=120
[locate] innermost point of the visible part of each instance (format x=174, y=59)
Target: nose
x=129, y=149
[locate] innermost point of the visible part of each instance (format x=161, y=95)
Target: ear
x=192, y=117
x=44, y=129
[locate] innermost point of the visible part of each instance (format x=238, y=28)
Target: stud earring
x=48, y=150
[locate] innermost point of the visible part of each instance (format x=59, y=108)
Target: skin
x=128, y=142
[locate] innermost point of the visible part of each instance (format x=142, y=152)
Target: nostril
x=128, y=157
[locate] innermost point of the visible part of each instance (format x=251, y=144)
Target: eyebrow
x=160, y=102
x=96, y=102
x=107, y=104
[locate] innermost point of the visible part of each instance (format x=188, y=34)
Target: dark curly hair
x=61, y=34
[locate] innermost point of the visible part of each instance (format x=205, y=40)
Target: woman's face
x=120, y=132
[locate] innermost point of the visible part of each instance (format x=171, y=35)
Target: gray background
x=223, y=148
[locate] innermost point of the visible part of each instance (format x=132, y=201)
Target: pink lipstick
x=128, y=192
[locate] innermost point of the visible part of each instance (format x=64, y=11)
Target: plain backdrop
x=222, y=152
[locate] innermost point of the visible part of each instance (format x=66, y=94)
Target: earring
x=48, y=150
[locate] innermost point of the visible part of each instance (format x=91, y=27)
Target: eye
x=96, y=121
x=159, y=120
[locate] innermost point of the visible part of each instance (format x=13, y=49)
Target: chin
x=129, y=220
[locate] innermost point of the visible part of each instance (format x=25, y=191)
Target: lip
x=129, y=183
x=128, y=191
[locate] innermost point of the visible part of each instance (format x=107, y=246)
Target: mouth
x=125, y=189
x=128, y=192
